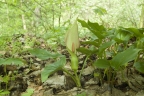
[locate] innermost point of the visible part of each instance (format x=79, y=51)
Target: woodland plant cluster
x=113, y=48
x=37, y=27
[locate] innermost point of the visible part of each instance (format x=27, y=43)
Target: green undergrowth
x=113, y=48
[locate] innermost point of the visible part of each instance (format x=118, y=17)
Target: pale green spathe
x=72, y=38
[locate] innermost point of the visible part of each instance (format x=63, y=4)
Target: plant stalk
x=77, y=79
x=74, y=78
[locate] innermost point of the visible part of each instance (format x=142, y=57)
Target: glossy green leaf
x=139, y=66
x=51, y=68
x=124, y=57
x=43, y=54
x=102, y=63
x=13, y=61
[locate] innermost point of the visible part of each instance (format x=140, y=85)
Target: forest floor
x=129, y=82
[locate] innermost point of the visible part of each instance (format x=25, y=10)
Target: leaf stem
x=77, y=79
x=65, y=70
x=83, y=66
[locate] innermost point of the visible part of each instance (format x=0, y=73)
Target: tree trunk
x=142, y=16
x=23, y=19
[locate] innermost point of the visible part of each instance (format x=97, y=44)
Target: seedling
x=9, y=61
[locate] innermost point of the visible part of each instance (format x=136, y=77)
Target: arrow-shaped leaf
x=102, y=63
x=124, y=57
x=43, y=54
x=51, y=68
x=14, y=61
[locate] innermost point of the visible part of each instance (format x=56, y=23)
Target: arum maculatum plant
x=72, y=44
x=114, y=50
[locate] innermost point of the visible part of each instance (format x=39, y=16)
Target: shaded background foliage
x=51, y=18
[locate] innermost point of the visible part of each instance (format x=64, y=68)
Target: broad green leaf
x=51, y=68
x=124, y=57
x=13, y=61
x=139, y=66
x=86, y=51
x=83, y=23
x=122, y=35
x=43, y=54
x=97, y=29
x=104, y=46
x=135, y=31
x=102, y=63
x=72, y=38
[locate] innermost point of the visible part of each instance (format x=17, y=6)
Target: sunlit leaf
x=124, y=57
x=51, y=68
